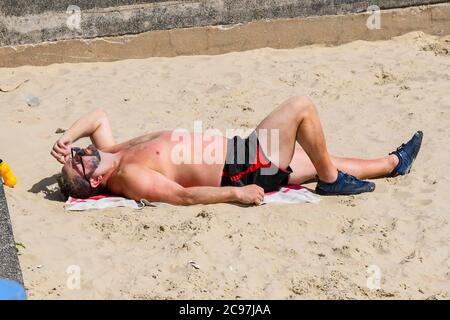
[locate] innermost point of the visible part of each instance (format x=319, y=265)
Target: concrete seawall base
x=31, y=22
x=9, y=262
x=280, y=33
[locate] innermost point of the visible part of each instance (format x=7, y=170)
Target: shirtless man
x=146, y=167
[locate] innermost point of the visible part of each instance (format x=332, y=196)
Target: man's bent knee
x=302, y=105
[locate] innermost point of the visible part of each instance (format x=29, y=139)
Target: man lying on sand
x=186, y=168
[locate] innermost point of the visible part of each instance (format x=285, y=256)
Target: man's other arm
x=147, y=184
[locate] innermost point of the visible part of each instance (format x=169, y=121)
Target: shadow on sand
x=48, y=188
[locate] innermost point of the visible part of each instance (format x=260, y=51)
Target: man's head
x=78, y=176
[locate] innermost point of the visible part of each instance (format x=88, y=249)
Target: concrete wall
x=9, y=262
x=30, y=22
x=279, y=33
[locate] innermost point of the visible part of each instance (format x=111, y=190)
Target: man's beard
x=96, y=160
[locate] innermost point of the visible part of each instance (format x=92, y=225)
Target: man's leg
x=398, y=162
x=304, y=170
x=297, y=121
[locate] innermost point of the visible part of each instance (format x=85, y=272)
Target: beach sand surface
x=371, y=96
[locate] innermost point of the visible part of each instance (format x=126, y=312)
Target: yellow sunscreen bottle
x=8, y=177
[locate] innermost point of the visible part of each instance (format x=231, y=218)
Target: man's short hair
x=77, y=187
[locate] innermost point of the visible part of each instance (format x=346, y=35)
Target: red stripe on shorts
x=253, y=167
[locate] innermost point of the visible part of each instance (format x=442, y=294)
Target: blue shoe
x=345, y=184
x=406, y=154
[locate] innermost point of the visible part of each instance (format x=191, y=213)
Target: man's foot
x=406, y=154
x=345, y=184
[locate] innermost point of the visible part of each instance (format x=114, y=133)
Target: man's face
x=90, y=161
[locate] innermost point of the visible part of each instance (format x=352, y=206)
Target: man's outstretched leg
x=304, y=170
x=396, y=163
x=297, y=120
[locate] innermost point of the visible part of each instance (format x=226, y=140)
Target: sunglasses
x=77, y=158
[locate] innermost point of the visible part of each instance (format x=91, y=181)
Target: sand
x=371, y=96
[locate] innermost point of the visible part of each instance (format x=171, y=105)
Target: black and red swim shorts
x=246, y=164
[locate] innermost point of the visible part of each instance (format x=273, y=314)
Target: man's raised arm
x=153, y=186
x=94, y=125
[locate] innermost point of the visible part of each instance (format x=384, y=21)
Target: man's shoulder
x=131, y=180
x=131, y=171
x=129, y=176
